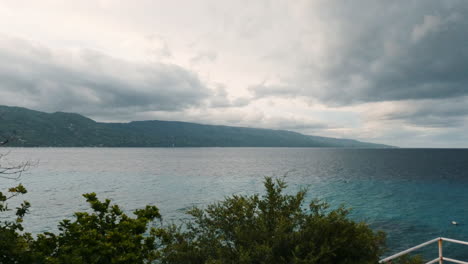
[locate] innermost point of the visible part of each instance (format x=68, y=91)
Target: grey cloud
x=265, y=90
x=442, y=113
x=219, y=98
x=383, y=50
x=91, y=82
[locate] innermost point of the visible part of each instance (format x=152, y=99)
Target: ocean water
x=411, y=194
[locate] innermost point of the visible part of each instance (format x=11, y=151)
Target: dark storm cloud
x=383, y=50
x=443, y=113
x=91, y=82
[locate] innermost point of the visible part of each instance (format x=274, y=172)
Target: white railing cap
x=404, y=252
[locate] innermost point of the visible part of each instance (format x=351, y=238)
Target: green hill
x=29, y=128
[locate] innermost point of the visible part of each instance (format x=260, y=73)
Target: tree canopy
x=273, y=228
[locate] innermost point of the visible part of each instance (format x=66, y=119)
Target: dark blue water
x=412, y=194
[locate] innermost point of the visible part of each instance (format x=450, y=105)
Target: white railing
x=439, y=260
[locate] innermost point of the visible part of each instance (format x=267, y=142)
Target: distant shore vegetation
x=29, y=128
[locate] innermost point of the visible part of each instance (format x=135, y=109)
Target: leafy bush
x=13, y=244
x=274, y=228
x=406, y=259
x=105, y=236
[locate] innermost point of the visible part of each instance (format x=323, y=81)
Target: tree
x=274, y=228
x=406, y=259
x=105, y=236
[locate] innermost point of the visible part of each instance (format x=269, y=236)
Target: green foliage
x=105, y=236
x=21, y=210
x=13, y=244
x=274, y=228
x=406, y=259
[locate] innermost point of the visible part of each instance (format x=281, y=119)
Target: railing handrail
x=440, y=259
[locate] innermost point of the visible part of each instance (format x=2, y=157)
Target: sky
x=392, y=72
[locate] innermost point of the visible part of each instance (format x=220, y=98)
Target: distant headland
x=28, y=128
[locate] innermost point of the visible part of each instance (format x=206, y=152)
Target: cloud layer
x=391, y=72
x=380, y=51
x=91, y=82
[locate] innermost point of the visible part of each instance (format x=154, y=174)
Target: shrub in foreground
x=105, y=236
x=13, y=245
x=274, y=228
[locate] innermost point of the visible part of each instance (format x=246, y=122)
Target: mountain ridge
x=31, y=128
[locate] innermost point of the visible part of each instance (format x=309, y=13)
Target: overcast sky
x=393, y=72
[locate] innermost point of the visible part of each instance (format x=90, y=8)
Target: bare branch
x=15, y=171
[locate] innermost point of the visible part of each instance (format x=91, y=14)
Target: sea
x=411, y=194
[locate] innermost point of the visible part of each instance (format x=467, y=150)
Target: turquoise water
x=412, y=194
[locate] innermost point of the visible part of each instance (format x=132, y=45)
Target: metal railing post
x=441, y=257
